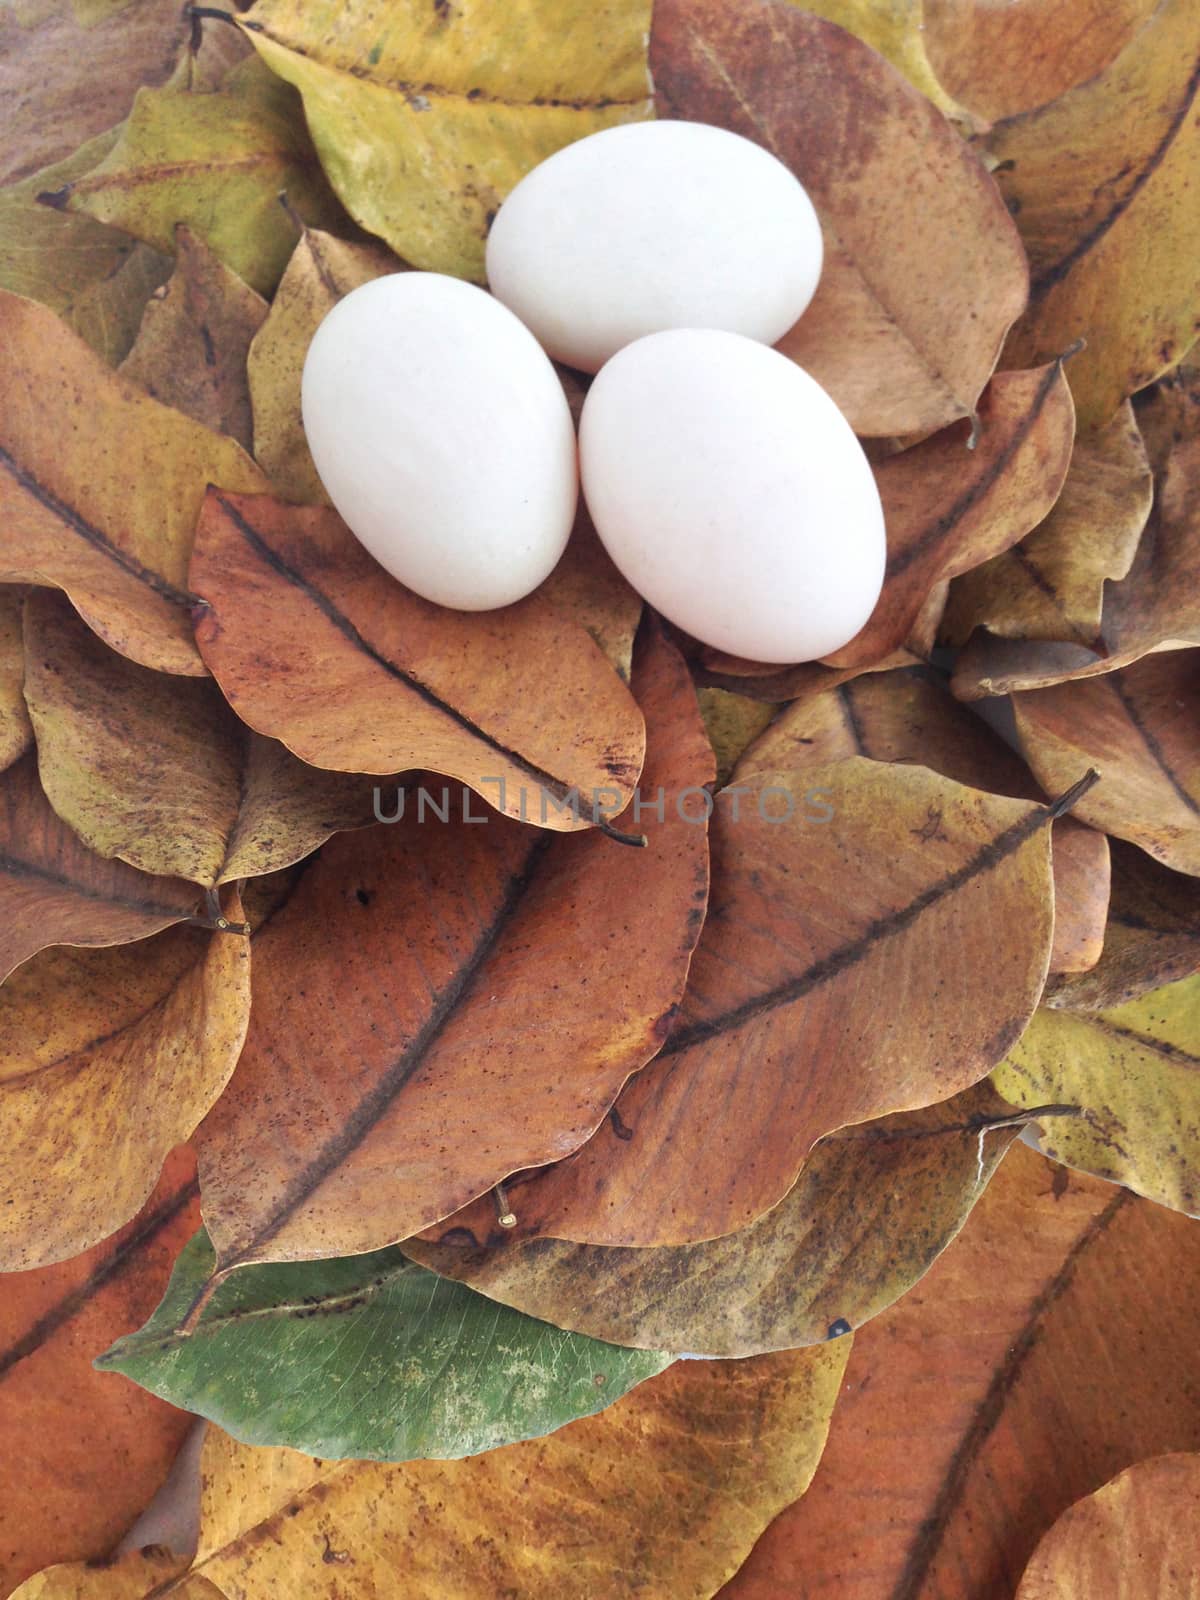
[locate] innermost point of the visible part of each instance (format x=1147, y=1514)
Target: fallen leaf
x=322, y=269
x=16, y=734
x=1134, y=1539
x=798, y=683
x=82, y=1455
x=512, y=974
x=872, y=1208
x=908, y=715
x=216, y=162
x=887, y=880
x=425, y=121
x=100, y=487
x=133, y=1576
x=369, y=1357
x=1003, y=59
x=1138, y=727
x=1050, y=1346
x=358, y=674
x=1051, y=584
x=54, y=890
x=732, y=721
x=108, y=1059
x=948, y=508
x=1152, y=936
x=586, y=587
x=1134, y=1072
x=696, y=1460
x=97, y=279
x=896, y=28
x=158, y=771
x=46, y=115
x=191, y=348
x=903, y=337
x=1098, y=181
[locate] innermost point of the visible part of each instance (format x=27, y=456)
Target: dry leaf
x=1099, y=182
x=896, y=28
x=425, y=121
x=908, y=715
x=218, y=163
x=732, y=721
x=322, y=269
x=1135, y=1539
x=133, y=1576
x=46, y=114
x=1002, y=59
x=1152, y=936
x=100, y=487
x=948, y=508
x=108, y=1059
x=97, y=279
x=1051, y=584
x=1138, y=727
x=16, y=734
x=888, y=881
x=587, y=588
x=81, y=1455
x=356, y=673
x=903, y=336
x=802, y=682
x=1135, y=1072
x=486, y=989
x=1053, y=1344
x=872, y=1208
x=54, y=890
x=661, y=1495
x=158, y=771
x=191, y=349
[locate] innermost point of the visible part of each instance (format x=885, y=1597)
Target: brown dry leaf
x=322, y=269
x=191, y=349
x=100, y=487
x=97, y=279
x=1052, y=1345
x=896, y=28
x=54, y=890
x=136, y=1575
x=1139, y=728
x=1100, y=182
x=908, y=715
x=888, y=881
x=108, y=1059
x=1003, y=59
x=586, y=587
x=486, y=990
x=80, y=1455
x=218, y=162
x=1135, y=1073
x=158, y=771
x=803, y=682
x=872, y=1208
x=16, y=734
x=1051, y=584
x=1134, y=1539
x=48, y=111
x=903, y=336
x=359, y=674
x=1152, y=936
x=661, y=1495
x=425, y=121
x=732, y=721
x=948, y=508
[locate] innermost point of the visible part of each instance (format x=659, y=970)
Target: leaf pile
x=579, y=1034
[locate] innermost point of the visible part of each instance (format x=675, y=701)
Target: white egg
x=442, y=435
x=654, y=225
x=733, y=495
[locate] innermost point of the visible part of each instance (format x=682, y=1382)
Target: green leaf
x=369, y=1357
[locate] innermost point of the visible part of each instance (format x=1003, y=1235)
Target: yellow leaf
x=426, y=115
x=108, y=1059
x=1135, y=1071
x=896, y=28
x=1101, y=182
x=217, y=162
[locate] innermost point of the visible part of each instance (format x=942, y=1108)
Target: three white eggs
x=724, y=482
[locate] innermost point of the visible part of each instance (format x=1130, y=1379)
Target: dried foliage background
x=563, y=1204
